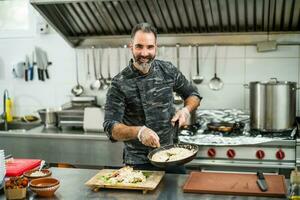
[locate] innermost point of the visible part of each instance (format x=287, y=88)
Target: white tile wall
x=236, y=65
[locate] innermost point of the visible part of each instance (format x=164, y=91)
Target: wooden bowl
x=18, y=193
x=34, y=174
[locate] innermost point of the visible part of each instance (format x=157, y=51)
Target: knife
x=46, y=63
x=261, y=182
x=39, y=62
x=26, y=68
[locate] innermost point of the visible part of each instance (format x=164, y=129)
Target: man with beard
x=139, y=107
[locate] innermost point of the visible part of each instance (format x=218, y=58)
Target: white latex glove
x=183, y=115
x=148, y=137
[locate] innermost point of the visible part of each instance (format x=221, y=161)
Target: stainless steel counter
x=72, y=187
x=75, y=147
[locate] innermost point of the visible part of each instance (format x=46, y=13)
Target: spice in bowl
x=33, y=174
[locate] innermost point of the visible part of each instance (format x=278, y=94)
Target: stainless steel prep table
x=72, y=187
x=74, y=147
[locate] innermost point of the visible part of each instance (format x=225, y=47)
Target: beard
x=143, y=63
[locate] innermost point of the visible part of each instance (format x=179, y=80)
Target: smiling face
x=143, y=47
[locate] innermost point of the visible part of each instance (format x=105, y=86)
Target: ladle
x=177, y=98
x=88, y=65
x=108, y=79
x=190, y=64
x=104, y=84
x=78, y=89
x=215, y=83
x=197, y=79
x=96, y=85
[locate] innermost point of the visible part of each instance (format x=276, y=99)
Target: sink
x=18, y=126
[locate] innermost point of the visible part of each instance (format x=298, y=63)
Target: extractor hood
x=85, y=23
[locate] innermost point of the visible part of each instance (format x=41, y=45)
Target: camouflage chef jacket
x=136, y=100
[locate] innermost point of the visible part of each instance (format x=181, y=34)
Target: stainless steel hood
x=85, y=23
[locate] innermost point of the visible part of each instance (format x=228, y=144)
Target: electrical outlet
x=43, y=28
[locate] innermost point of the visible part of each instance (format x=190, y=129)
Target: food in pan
x=172, y=154
x=124, y=175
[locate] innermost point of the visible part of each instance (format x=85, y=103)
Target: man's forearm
x=122, y=132
x=191, y=103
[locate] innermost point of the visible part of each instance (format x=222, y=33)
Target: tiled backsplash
x=236, y=66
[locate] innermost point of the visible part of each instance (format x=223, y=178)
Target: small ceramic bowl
x=34, y=174
x=44, y=182
x=45, y=187
x=44, y=192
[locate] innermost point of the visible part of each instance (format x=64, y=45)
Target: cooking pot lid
x=273, y=81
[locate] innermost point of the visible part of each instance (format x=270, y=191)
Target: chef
x=139, y=108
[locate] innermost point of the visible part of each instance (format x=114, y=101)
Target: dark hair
x=145, y=27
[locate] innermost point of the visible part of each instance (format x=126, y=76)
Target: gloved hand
x=148, y=137
x=183, y=115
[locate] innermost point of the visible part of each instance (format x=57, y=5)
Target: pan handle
x=176, y=133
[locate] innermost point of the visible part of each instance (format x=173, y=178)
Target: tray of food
x=126, y=178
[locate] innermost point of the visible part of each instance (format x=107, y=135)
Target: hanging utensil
x=126, y=55
x=190, y=64
x=197, y=79
x=96, y=85
x=108, y=79
x=104, y=85
x=78, y=89
x=215, y=83
x=88, y=64
x=177, y=98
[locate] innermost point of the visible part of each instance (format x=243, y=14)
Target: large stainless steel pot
x=272, y=105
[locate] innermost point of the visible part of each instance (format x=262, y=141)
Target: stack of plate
x=2, y=168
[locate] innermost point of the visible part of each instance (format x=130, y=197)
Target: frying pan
x=224, y=127
x=191, y=147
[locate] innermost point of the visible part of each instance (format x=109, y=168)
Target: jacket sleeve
x=183, y=87
x=114, y=108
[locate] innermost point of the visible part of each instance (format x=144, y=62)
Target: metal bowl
x=183, y=161
x=49, y=117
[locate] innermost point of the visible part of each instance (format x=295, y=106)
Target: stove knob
x=280, y=154
x=211, y=152
x=260, y=154
x=230, y=153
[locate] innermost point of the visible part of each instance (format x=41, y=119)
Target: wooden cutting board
x=150, y=184
x=234, y=184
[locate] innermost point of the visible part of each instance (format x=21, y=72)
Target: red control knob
x=211, y=152
x=230, y=153
x=260, y=154
x=280, y=154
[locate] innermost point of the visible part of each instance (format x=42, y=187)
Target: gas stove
x=243, y=149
